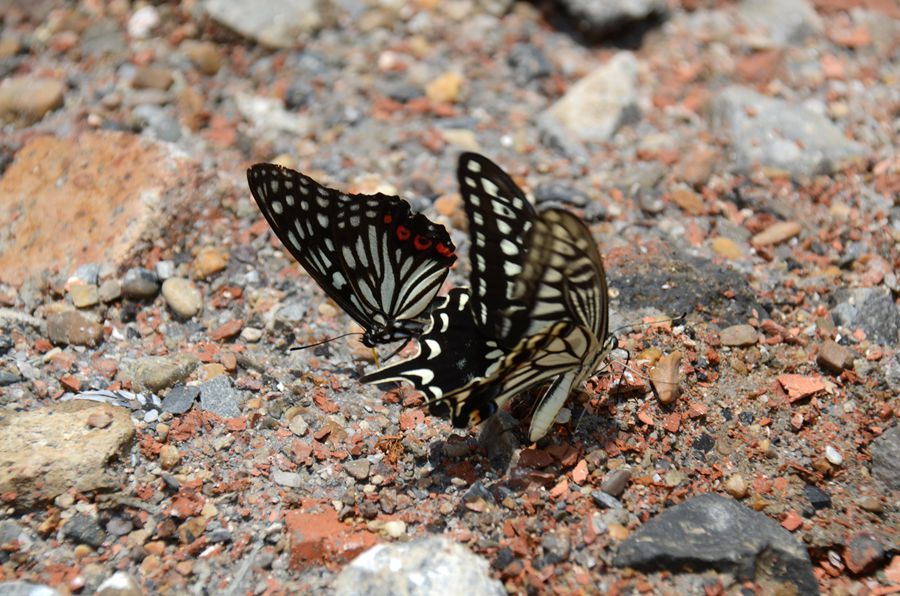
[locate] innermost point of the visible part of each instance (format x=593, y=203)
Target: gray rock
x=89, y=273
x=605, y=500
x=140, y=283
x=885, y=452
x=158, y=121
x=557, y=192
x=110, y=290
x=595, y=107
x=18, y=588
x=785, y=22
x=598, y=17
x=615, y=482
x=433, y=565
x=180, y=399
x=269, y=114
x=289, y=316
x=84, y=529
x=11, y=531
x=119, y=584
x=714, y=532
x=777, y=134
x=528, y=62
x=892, y=373
x=8, y=378
x=288, y=479
x=358, y=468
x=220, y=398
x=871, y=309
x=275, y=23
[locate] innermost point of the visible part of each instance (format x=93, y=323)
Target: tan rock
x=209, y=261
x=204, y=55
x=71, y=327
x=444, y=89
x=777, y=233
x=726, y=248
x=689, y=201
x=834, y=357
x=152, y=77
x=25, y=100
x=84, y=295
x=47, y=451
x=738, y=336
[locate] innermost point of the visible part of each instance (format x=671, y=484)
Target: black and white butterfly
x=539, y=305
x=376, y=259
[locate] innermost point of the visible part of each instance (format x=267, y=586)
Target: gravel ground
x=737, y=161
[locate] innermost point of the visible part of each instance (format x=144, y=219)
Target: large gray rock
x=274, y=23
x=219, y=397
x=433, y=565
x=784, y=22
x=714, y=532
x=871, y=309
x=780, y=135
x=885, y=452
x=600, y=103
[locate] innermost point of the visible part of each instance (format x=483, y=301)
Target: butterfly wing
x=500, y=220
x=451, y=353
x=380, y=263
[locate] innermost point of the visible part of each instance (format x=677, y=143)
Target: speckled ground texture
x=736, y=161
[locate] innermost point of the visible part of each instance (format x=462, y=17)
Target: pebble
x=27, y=100
x=140, y=283
x=834, y=357
x=251, y=334
x=165, y=269
x=182, y=296
x=84, y=295
x=833, y=455
x=219, y=397
x=73, y=328
x=204, y=55
x=689, y=201
x=155, y=373
x=528, y=62
x=614, y=483
x=863, y=553
x=870, y=504
x=597, y=106
x=445, y=88
x=119, y=583
x=110, y=291
x=698, y=166
x=169, y=457
x=84, y=529
x=358, y=468
x=726, y=248
x=180, y=398
x=777, y=233
x=666, y=377
x=153, y=77
x=736, y=486
x=738, y=336
x=143, y=21
x=395, y=528
x=298, y=425
x=288, y=479
x=208, y=262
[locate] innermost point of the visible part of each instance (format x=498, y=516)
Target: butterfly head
x=391, y=331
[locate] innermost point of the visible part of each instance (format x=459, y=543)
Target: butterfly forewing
x=500, y=220
x=380, y=263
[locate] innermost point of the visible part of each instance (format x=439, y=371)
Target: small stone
x=870, y=504
x=153, y=77
x=615, y=482
x=180, y=398
x=885, y=452
x=736, y=486
x=833, y=455
x=156, y=373
x=777, y=233
x=110, y=290
x=27, y=100
x=358, y=468
x=298, y=425
x=143, y=21
x=445, y=88
x=204, y=55
x=210, y=370
x=220, y=398
x=226, y=330
x=288, y=479
x=726, y=248
x=169, y=457
x=165, y=270
x=666, y=377
x=99, y=419
x=395, y=528
x=251, y=334
x=119, y=583
x=208, y=262
x=72, y=328
x=817, y=497
x=84, y=295
x=140, y=283
x=689, y=201
x=182, y=296
x=834, y=357
x=9, y=47
x=738, y=336
x=698, y=166
x=864, y=553
x=85, y=530
x=605, y=500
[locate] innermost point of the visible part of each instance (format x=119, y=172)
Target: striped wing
x=500, y=220
x=451, y=353
x=379, y=262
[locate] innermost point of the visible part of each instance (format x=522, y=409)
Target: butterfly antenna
x=324, y=341
x=676, y=320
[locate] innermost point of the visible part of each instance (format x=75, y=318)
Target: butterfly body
x=377, y=260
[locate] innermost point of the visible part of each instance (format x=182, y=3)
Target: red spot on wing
x=422, y=243
x=388, y=218
x=403, y=232
x=444, y=250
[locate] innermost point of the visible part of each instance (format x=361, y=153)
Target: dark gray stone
x=817, y=497
x=85, y=530
x=871, y=309
x=714, y=532
x=6, y=344
x=410, y=568
x=180, y=399
x=528, y=63
x=8, y=378
x=220, y=398
x=605, y=500
x=885, y=452
x=140, y=283
x=555, y=192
